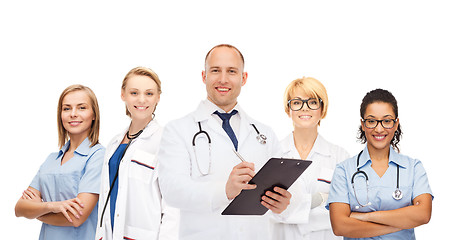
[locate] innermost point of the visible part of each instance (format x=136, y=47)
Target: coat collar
x=321, y=146
x=151, y=128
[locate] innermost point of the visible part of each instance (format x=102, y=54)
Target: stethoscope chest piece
x=397, y=194
x=261, y=138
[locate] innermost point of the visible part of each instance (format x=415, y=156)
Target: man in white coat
x=199, y=172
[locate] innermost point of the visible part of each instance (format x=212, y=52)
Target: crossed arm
x=362, y=225
x=72, y=212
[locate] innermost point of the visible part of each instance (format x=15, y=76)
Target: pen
x=238, y=155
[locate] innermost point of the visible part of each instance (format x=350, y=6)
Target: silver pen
x=238, y=155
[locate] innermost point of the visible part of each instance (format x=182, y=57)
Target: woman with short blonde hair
x=306, y=103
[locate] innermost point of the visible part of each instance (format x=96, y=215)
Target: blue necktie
x=227, y=127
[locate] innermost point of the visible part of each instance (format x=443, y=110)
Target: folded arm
x=31, y=206
x=345, y=225
x=72, y=212
x=88, y=200
x=405, y=218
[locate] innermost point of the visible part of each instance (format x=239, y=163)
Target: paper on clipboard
x=277, y=172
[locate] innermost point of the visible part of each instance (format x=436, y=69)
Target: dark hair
x=380, y=95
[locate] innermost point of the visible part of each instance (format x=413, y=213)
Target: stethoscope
x=397, y=194
x=130, y=138
x=261, y=138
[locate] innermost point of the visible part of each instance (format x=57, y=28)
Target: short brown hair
x=63, y=135
x=141, y=71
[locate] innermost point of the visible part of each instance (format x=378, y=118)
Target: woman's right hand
x=73, y=206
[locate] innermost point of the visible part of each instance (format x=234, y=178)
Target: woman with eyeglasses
x=306, y=103
x=398, y=198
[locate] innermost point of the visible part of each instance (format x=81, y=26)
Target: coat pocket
x=324, y=179
x=142, y=166
x=140, y=233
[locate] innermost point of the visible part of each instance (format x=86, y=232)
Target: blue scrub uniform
x=56, y=182
x=413, y=181
x=114, y=163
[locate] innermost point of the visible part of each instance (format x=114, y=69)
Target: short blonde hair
x=312, y=87
x=141, y=71
x=63, y=135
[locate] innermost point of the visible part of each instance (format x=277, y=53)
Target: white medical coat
x=201, y=199
x=299, y=221
x=139, y=205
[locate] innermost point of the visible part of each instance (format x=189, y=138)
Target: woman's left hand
x=31, y=195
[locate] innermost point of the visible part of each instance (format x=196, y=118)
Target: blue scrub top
x=56, y=182
x=114, y=163
x=413, y=181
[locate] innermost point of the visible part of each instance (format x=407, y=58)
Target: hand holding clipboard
x=277, y=175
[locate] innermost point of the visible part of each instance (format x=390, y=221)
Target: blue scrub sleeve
x=35, y=183
x=421, y=184
x=339, y=191
x=91, y=179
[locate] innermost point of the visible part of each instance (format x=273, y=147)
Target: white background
x=351, y=46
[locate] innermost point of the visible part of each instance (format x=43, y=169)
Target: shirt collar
x=211, y=107
x=394, y=157
x=83, y=149
x=207, y=108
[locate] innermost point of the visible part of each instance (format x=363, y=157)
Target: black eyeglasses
x=296, y=104
x=373, y=123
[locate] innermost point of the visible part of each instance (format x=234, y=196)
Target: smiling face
x=224, y=76
x=305, y=118
x=77, y=114
x=379, y=138
x=141, y=95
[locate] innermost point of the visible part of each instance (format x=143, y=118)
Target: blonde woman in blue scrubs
x=306, y=103
x=398, y=198
x=64, y=193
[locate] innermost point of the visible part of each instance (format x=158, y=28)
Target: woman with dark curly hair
x=398, y=198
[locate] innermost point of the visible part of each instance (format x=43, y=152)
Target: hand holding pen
x=239, y=177
x=276, y=201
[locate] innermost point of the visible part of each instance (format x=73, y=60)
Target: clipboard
x=277, y=172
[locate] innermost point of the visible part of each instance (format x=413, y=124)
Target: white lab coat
x=139, y=205
x=201, y=199
x=299, y=221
